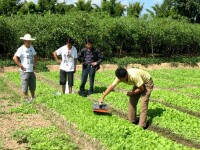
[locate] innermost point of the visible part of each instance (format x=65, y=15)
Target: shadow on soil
x=100, y=89
x=103, y=114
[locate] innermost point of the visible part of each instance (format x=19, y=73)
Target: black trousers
x=89, y=70
x=64, y=76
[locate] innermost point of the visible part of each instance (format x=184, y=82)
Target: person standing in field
x=28, y=60
x=68, y=64
x=142, y=87
x=90, y=58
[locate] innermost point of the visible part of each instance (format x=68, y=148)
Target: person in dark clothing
x=90, y=58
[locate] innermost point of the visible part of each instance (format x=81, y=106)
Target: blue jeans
x=89, y=70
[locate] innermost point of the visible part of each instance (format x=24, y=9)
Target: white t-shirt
x=26, y=56
x=68, y=57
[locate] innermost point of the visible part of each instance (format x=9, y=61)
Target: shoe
x=27, y=100
x=81, y=93
x=33, y=98
x=90, y=92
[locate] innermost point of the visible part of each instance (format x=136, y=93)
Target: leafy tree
x=7, y=39
x=112, y=7
x=8, y=7
x=157, y=10
x=81, y=5
x=28, y=8
x=187, y=8
x=47, y=6
x=134, y=9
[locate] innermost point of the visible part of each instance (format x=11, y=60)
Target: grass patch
x=44, y=139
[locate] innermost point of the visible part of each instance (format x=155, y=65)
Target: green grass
x=50, y=138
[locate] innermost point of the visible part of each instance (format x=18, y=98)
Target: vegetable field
x=173, y=116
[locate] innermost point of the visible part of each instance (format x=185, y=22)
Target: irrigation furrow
x=195, y=114
x=181, y=109
x=161, y=131
x=81, y=139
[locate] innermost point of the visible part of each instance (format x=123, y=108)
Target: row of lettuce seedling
x=113, y=131
x=157, y=113
x=36, y=138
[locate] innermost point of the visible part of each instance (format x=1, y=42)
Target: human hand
x=23, y=68
x=94, y=63
x=58, y=61
x=100, y=100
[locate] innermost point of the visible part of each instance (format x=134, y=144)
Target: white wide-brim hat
x=27, y=37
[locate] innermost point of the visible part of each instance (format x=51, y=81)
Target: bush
x=113, y=36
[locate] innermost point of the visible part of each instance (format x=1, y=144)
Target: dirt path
x=10, y=122
x=81, y=139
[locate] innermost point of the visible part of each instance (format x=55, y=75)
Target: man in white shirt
x=28, y=59
x=67, y=65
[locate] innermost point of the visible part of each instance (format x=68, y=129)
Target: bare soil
x=9, y=123
x=12, y=122
x=104, y=67
x=27, y=121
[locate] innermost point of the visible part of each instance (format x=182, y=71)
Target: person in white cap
x=28, y=60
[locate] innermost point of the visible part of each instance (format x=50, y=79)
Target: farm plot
x=22, y=127
x=112, y=131
x=115, y=128
x=170, y=116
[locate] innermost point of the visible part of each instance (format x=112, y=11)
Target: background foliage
x=112, y=35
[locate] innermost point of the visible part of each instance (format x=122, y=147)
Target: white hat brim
x=22, y=38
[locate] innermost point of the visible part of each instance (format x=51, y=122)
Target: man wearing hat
x=28, y=60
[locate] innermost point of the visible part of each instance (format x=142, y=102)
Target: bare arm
x=35, y=59
x=56, y=57
x=16, y=60
x=108, y=90
x=75, y=62
x=136, y=91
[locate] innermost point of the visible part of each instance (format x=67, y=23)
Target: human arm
x=75, y=62
x=136, y=91
x=81, y=56
x=108, y=90
x=99, y=59
x=35, y=61
x=16, y=60
x=56, y=57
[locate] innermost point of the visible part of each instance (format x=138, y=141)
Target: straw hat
x=27, y=37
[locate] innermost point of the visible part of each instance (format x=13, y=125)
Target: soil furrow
x=82, y=139
x=181, y=109
x=161, y=131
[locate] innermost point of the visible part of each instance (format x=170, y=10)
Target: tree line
x=114, y=36
x=177, y=9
